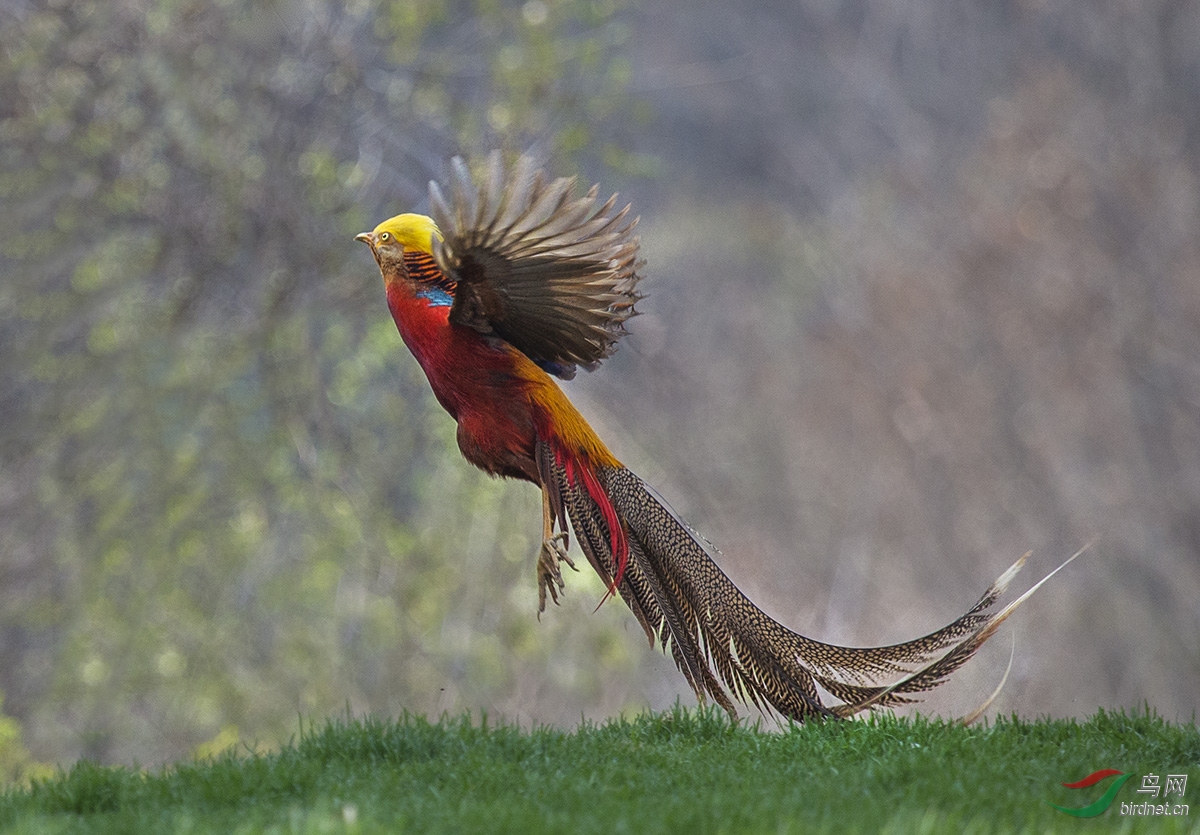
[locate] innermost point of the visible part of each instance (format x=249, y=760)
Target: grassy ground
x=682, y=771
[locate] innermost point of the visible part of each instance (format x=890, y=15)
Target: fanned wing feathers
x=548, y=272
x=724, y=644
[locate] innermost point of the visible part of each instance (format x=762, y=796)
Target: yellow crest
x=411, y=231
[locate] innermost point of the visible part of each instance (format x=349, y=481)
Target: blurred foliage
x=226, y=496
x=16, y=763
x=923, y=296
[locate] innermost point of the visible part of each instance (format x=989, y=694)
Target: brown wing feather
x=551, y=273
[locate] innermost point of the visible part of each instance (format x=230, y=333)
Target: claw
x=553, y=552
x=549, y=574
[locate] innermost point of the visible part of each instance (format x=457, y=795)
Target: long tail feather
x=725, y=646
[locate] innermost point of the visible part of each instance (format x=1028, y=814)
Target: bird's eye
x=385, y=237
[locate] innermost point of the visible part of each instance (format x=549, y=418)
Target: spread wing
x=550, y=273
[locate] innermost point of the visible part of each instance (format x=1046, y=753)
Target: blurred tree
x=952, y=317
x=224, y=498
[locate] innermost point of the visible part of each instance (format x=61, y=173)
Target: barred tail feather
x=725, y=646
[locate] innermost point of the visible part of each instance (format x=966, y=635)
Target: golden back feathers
x=550, y=273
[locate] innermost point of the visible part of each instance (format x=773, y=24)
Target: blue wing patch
x=436, y=295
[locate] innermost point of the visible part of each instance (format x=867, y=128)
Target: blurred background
x=924, y=295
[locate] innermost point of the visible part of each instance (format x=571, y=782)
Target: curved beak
x=367, y=238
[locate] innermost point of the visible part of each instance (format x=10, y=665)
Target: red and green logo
x=1106, y=800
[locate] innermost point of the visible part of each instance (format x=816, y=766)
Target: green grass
x=680, y=771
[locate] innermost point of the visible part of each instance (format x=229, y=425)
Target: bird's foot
x=549, y=575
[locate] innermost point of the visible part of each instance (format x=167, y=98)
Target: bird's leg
x=554, y=551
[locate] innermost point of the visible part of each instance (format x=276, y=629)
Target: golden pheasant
x=516, y=278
